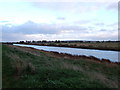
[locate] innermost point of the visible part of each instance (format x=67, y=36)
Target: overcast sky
x=65, y=20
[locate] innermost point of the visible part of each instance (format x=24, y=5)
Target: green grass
x=29, y=68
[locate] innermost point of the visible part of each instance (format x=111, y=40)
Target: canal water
x=101, y=54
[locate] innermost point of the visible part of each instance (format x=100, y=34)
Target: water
x=111, y=55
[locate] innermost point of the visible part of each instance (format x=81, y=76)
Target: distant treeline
x=58, y=41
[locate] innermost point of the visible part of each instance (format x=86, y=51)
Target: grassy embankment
x=31, y=68
x=98, y=45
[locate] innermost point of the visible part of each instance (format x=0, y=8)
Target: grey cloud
x=61, y=18
x=103, y=38
x=20, y=32
x=31, y=28
x=73, y=27
x=116, y=23
x=34, y=28
x=13, y=37
x=15, y=33
x=103, y=30
x=99, y=24
x=91, y=27
x=113, y=24
x=113, y=6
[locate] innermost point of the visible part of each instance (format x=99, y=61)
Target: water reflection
x=111, y=55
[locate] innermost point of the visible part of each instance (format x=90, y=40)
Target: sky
x=63, y=20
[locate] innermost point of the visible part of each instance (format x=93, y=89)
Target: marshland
x=101, y=45
x=32, y=68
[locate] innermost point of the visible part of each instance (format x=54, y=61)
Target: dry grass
x=71, y=66
x=94, y=75
x=21, y=66
x=102, y=78
x=51, y=64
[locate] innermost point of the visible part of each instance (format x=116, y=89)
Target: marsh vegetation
x=31, y=68
x=101, y=45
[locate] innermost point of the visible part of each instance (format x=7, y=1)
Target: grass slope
x=30, y=68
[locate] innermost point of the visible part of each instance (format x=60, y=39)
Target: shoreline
x=70, y=56
x=80, y=47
